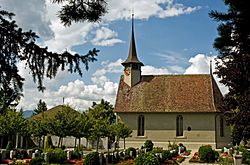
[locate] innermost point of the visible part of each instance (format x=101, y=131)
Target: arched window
x=140, y=131
x=221, y=126
x=179, y=125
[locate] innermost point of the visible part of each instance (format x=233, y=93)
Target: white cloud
x=150, y=70
x=200, y=64
x=105, y=37
x=30, y=15
x=119, y=10
x=76, y=93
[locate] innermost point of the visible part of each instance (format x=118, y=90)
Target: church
x=175, y=108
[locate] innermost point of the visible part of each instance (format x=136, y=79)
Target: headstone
x=37, y=152
x=237, y=159
x=106, y=158
x=131, y=153
x=29, y=153
x=46, y=157
x=69, y=155
x=4, y=154
x=33, y=155
x=101, y=158
x=12, y=154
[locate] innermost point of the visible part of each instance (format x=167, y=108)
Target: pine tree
x=233, y=64
x=41, y=107
x=17, y=45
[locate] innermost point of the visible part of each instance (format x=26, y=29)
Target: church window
x=179, y=125
x=221, y=127
x=140, y=131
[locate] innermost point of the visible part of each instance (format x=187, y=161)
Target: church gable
x=169, y=93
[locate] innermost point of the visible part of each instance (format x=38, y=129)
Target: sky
x=172, y=37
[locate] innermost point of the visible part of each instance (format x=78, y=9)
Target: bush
x=92, y=159
x=148, y=144
x=37, y=161
x=157, y=150
x=245, y=155
x=148, y=158
x=56, y=156
x=207, y=154
x=127, y=152
x=75, y=155
x=9, y=146
x=166, y=155
x=21, y=154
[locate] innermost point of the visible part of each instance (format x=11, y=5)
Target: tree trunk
x=1, y=143
x=26, y=142
x=79, y=141
x=39, y=143
x=97, y=144
x=59, y=141
x=87, y=142
x=75, y=141
x=124, y=144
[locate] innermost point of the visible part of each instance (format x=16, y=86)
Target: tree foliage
x=41, y=107
x=81, y=10
x=17, y=45
x=233, y=64
x=123, y=131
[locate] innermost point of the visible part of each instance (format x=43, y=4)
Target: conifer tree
x=233, y=64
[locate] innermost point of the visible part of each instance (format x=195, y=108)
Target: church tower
x=132, y=66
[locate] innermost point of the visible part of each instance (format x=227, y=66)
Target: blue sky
x=172, y=37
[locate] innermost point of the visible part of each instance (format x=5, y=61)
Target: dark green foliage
x=37, y=161
x=19, y=46
x=9, y=146
x=81, y=10
x=41, y=107
x=166, y=155
x=245, y=154
x=57, y=156
x=233, y=65
x=207, y=154
x=75, y=155
x=148, y=158
x=21, y=154
x=92, y=158
x=148, y=144
x=127, y=151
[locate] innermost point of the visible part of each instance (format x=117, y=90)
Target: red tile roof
x=169, y=93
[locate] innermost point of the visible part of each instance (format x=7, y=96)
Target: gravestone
x=29, y=152
x=69, y=153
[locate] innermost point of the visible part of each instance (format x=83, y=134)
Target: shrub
x=21, y=154
x=56, y=156
x=245, y=155
x=75, y=155
x=166, y=155
x=92, y=158
x=127, y=152
x=207, y=154
x=157, y=150
x=148, y=144
x=37, y=161
x=9, y=146
x=148, y=158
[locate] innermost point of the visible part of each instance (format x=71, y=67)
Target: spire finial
x=133, y=20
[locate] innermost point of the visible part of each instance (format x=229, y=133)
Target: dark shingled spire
x=132, y=55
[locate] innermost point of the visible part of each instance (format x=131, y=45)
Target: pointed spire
x=132, y=55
